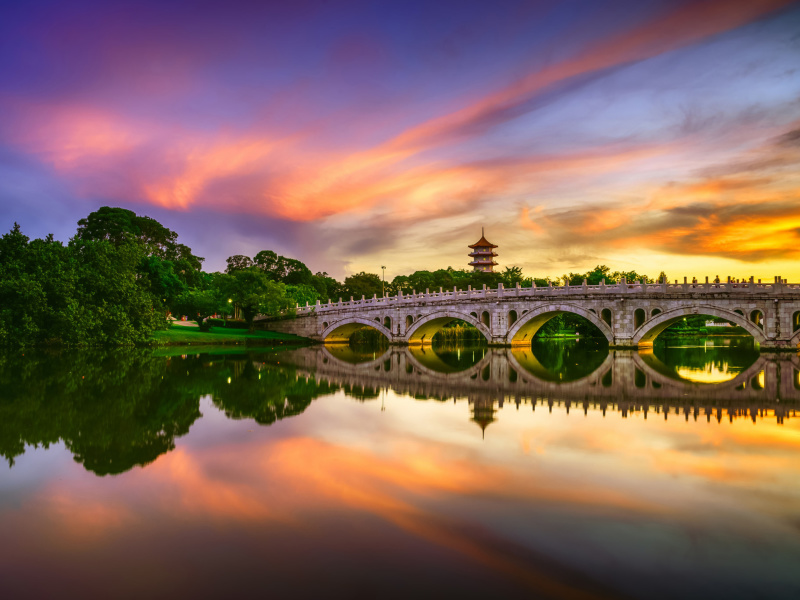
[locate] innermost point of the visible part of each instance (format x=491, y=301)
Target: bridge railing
x=779, y=286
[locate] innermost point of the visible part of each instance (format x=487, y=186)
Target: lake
x=561, y=470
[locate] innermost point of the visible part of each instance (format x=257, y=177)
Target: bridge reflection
x=619, y=380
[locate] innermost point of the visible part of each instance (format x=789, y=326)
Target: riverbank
x=187, y=336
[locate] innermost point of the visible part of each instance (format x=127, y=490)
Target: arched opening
x=356, y=331
x=512, y=317
x=324, y=325
x=409, y=321
x=638, y=317
x=486, y=373
x=655, y=311
x=608, y=379
x=699, y=323
x=739, y=311
x=563, y=322
x=757, y=318
x=473, y=314
x=485, y=318
x=512, y=375
x=387, y=322
x=605, y=314
x=796, y=321
x=453, y=327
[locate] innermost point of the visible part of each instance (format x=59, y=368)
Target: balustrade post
x=500, y=289
x=585, y=285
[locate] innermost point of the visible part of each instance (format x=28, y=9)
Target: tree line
x=121, y=275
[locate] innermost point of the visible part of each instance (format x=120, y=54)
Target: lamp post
x=383, y=283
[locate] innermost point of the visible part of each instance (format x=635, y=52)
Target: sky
x=646, y=135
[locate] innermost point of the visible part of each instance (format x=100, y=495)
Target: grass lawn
x=221, y=335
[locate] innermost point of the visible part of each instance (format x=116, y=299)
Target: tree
x=512, y=276
x=362, y=284
x=255, y=294
x=238, y=262
x=300, y=294
x=199, y=304
x=117, y=225
x=327, y=287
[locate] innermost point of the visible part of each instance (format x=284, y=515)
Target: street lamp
x=383, y=283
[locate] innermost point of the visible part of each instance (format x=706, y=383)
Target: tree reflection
x=115, y=410
x=265, y=392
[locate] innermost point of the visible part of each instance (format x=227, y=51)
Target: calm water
x=559, y=471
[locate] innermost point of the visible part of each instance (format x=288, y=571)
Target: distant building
x=483, y=255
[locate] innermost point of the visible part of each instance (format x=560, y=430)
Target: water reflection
x=562, y=361
x=117, y=410
x=571, y=494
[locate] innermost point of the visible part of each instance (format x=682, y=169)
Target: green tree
x=237, y=262
x=254, y=294
x=362, y=284
x=199, y=304
x=116, y=225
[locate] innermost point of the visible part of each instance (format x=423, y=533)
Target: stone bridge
x=627, y=314
x=625, y=381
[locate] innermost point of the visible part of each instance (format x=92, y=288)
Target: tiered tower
x=483, y=255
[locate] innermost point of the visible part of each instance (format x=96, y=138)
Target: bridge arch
x=339, y=332
x=424, y=328
x=528, y=324
x=649, y=331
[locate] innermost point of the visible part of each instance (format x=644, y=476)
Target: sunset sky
x=642, y=134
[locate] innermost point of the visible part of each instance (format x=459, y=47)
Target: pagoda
x=482, y=255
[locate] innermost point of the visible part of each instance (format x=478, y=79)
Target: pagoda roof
x=483, y=242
